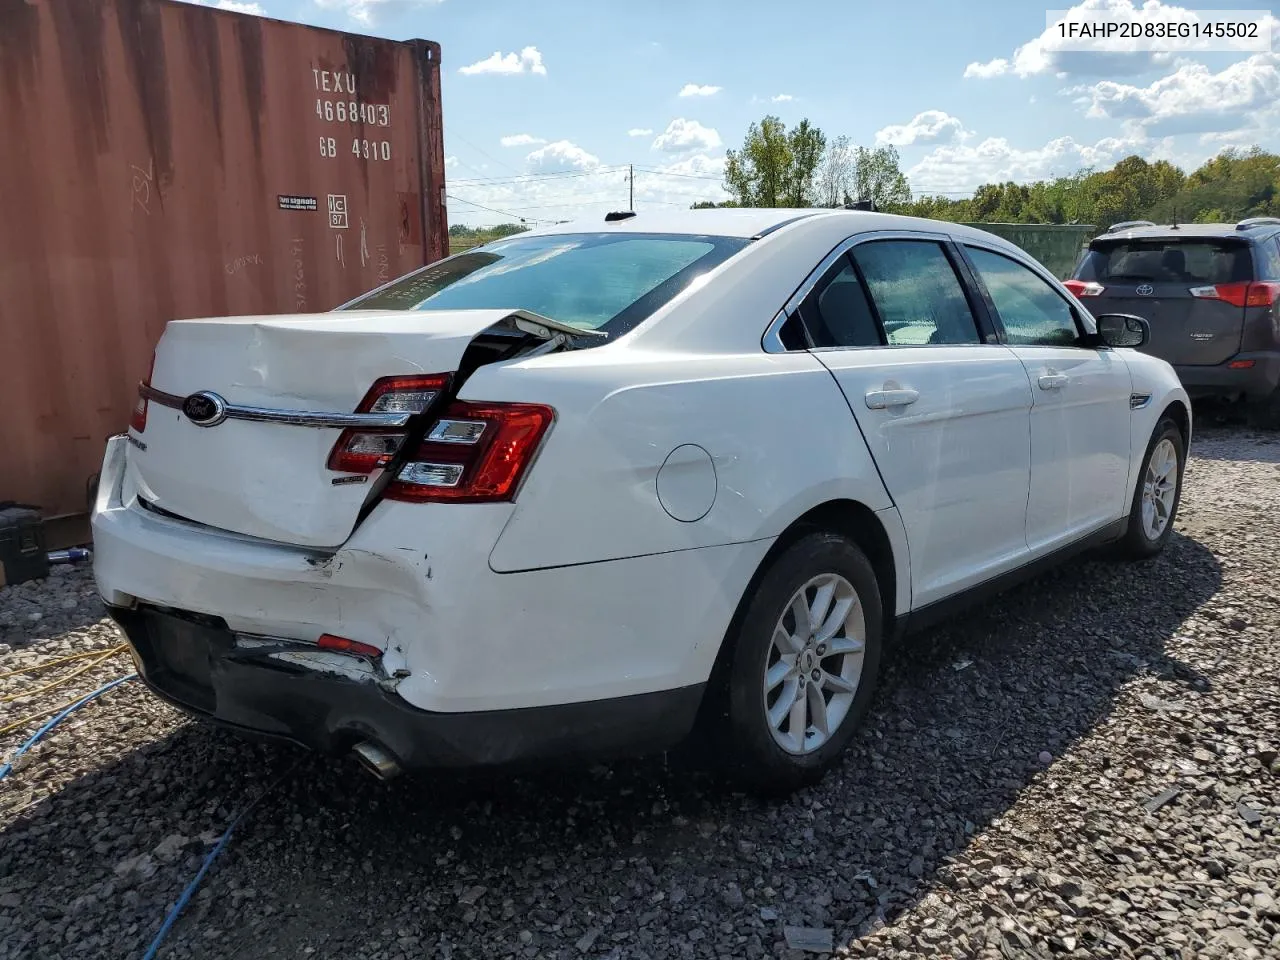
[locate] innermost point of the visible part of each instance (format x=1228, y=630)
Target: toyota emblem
x=1145, y=290
x=205, y=409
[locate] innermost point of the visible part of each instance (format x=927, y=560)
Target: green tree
x=807, y=144
x=1233, y=185
x=878, y=177
x=775, y=167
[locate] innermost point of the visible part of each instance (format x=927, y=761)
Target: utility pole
x=631, y=182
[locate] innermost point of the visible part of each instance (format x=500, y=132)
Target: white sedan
x=583, y=490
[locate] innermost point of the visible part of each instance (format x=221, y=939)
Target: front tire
x=1158, y=493
x=805, y=656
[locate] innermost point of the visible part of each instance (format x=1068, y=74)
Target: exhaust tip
x=376, y=760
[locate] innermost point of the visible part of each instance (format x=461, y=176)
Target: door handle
x=882, y=399
x=1053, y=381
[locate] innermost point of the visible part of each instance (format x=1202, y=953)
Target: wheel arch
x=853, y=519
x=1180, y=414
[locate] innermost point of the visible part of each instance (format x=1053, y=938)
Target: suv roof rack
x=1126, y=224
x=1251, y=222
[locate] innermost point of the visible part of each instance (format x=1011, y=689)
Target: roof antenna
x=1174, y=225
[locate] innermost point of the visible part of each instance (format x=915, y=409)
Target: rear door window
x=837, y=312
x=916, y=293
x=1195, y=261
x=1270, y=257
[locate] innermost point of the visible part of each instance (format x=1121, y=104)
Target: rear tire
x=1157, y=495
x=795, y=690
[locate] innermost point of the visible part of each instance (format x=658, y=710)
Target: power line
x=672, y=173
x=571, y=202
x=483, y=154
x=481, y=206
x=532, y=178
x=463, y=163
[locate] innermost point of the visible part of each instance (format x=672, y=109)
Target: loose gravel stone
x=944, y=833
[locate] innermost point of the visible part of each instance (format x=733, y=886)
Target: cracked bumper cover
x=194, y=663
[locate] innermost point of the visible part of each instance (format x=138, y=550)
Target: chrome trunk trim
x=297, y=418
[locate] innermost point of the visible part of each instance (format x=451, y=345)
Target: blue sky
x=968, y=94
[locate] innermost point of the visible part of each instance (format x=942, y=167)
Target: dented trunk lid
x=270, y=479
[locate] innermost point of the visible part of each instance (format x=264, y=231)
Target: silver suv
x=1211, y=293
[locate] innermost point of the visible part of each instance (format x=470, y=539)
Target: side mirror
x=1123, y=330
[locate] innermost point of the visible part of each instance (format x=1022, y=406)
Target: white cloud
x=931, y=126
x=366, y=11
x=640, y=132
x=693, y=90
x=781, y=98
x=1113, y=56
x=235, y=6
x=561, y=155
x=521, y=140
x=527, y=60
x=684, y=135
x=983, y=71
x=962, y=167
x=1192, y=99
x=450, y=162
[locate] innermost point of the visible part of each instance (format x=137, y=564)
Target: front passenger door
x=1080, y=415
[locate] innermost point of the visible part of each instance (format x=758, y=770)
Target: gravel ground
x=1085, y=767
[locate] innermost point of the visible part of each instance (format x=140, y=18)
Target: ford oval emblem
x=205, y=409
x=1145, y=290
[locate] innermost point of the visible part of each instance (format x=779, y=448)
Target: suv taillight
x=138, y=421
x=363, y=451
x=1258, y=294
x=1082, y=288
x=475, y=453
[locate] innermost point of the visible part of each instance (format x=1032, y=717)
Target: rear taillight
x=1259, y=294
x=1082, y=288
x=475, y=453
x=363, y=451
x=138, y=421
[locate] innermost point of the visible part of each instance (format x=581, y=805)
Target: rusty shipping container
x=161, y=160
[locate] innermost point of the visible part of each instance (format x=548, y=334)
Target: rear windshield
x=1167, y=261
x=599, y=281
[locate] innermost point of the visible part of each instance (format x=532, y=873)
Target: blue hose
x=185, y=898
x=7, y=768
x=190, y=890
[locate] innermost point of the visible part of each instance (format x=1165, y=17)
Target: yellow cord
x=61, y=680
x=53, y=663
x=37, y=716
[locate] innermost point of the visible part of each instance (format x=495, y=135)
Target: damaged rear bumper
x=197, y=664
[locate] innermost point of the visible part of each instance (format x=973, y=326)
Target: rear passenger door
x=1080, y=415
x=943, y=408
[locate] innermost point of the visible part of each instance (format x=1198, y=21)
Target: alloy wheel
x=1159, y=489
x=814, y=664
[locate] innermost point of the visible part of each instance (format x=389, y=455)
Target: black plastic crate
x=23, y=555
